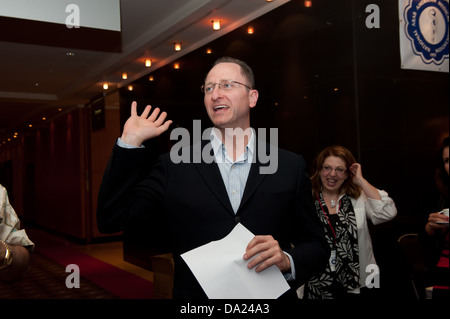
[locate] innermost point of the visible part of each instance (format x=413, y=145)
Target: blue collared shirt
x=234, y=173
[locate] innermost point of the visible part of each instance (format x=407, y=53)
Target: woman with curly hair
x=344, y=201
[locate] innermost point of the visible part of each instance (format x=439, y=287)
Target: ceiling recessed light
x=216, y=24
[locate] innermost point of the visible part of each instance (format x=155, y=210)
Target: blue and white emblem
x=427, y=27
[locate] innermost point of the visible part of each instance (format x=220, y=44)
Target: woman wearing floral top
x=344, y=200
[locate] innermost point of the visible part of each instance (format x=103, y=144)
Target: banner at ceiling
x=424, y=34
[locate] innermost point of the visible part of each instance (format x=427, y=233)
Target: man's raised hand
x=139, y=128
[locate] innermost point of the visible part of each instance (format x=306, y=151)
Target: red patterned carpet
x=46, y=280
x=119, y=282
x=98, y=280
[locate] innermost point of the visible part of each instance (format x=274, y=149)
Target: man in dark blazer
x=202, y=201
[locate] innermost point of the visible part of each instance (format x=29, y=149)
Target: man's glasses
x=224, y=85
x=339, y=170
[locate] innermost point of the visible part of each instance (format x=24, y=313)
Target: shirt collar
x=217, y=144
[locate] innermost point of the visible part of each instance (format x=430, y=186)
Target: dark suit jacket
x=193, y=199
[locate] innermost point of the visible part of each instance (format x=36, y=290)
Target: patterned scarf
x=333, y=284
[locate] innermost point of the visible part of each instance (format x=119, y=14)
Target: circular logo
x=427, y=28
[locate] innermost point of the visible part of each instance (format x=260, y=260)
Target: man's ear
x=253, y=97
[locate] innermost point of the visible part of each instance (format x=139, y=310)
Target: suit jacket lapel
x=211, y=175
x=254, y=178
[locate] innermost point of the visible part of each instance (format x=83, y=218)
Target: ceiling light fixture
x=216, y=24
x=151, y=78
x=148, y=63
x=308, y=3
x=208, y=51
x=177, y=46
x=105, y=86
x=250, y=29
x=176, y=65
x=130, y=88
x=124, y=75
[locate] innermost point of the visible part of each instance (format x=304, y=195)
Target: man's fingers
x=146, y=111
x=157, y=120
x=261, y=261
x=133, y=108
x=255, y=241
x=265, y=264
x=258, y=245
x=160, y=120
x=265, y=251
x=164, y=127
x=154, y=115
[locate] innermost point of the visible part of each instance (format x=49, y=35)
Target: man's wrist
x=290, y=273
x=123, y=144
x=130, y=141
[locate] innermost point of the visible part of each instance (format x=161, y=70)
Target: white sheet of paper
x=222, y=272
